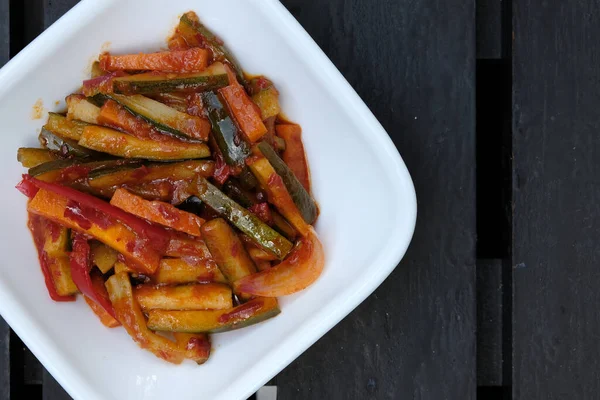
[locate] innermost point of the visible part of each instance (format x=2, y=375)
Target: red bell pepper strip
x=81, y=266
x=159, y=236
x=27, y=188
x=35, y=222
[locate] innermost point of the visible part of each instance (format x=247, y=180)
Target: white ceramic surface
x=365, y=193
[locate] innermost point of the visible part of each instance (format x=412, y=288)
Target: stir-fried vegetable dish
x=173, y=196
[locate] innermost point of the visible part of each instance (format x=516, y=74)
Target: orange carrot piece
x=294, y=155
x=190, y=60
x=107, y=230
x=115, y=116
x=157, y=211
x=245, y=112
x=277, y=193
x=101, y=313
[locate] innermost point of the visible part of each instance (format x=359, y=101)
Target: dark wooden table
x=495, y=108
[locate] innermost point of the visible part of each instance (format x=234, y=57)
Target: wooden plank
x=489, y=322
x=4, y=328
x=489, y=29
x=413, y=64
x=32, y=369
x=54, y=9
x=52, y=390
x=4, y=360
x=556, y=190
x=4, y=32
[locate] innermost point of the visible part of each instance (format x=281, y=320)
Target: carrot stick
x=115, y=116
x=294, y=155
x=246, y=113
x=157, y=211
x=191, y=60
x=277, y=193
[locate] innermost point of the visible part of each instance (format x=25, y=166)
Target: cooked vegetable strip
x=103, y=257
x=106, y=319
x=160, y=238
x=244, y=220
x=259, y=254
x=115, y=116
x=249, y=313
x=178, y=101
x=163, y=117
x=299, y=270
x=245, y=112
x=191, y=60
x=277, y=193
x=174, y=172
x=177, y=43
x=96, y=70
x=213, y=77
x=265, y=96
x=99, y=219
x=188, y=270
x=114, y=234
x=120, y=144
x=300, y=195
x=51, y=241
x=226, y=134
x=227, y=250
x=32, y=157
x=100, y=84
x=247, y=200
x=79, y=108
x=71, y=170
x=65, y=128
x=182, y=245
x=201, y=296
x=196, y=34
x=197, y=346
x=120, y=266
x=158, y=212
x=130, y=315
x=294, y=155
x=81, y=267
x=65, y=147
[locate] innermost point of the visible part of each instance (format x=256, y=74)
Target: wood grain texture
x=4, y=328
x=489, y=323
x=4, y=31
x=489, y=29
x=51, y=390
x=557, y=188
x=413, y=64
x=4, y=360
x=54, y=9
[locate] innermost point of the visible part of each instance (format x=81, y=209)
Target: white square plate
x=367, y=200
